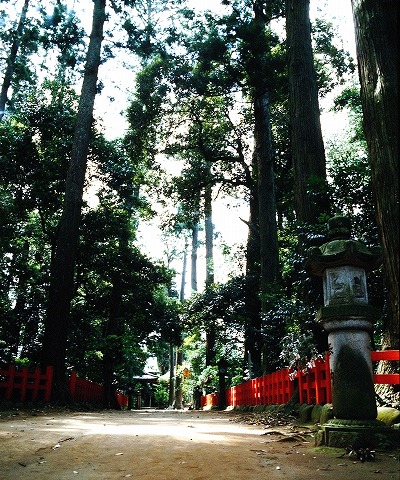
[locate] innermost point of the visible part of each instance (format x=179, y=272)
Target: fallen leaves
x=301, y=436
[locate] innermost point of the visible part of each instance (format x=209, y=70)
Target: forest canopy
x=163, y=173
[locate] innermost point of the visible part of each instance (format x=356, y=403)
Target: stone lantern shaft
x=346, y=316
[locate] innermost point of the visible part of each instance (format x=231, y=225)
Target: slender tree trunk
x=62, y=275
x=179, y=355
x=111, y=334
x=184, y=268
x=209, y=232
x=172, y=363
x=12, y=58
x=376, y=30
x=19, y=316
x=178, y=380
x=195, y=246
x=310, y=184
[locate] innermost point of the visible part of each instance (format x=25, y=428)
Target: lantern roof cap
x=341, y=250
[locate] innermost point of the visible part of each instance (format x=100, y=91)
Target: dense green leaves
x=192, y=104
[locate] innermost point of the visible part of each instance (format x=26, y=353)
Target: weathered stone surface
x=357, y=434
x=389, y=416
x=316, y=413
x=353, y=388
x=326, y=413
x=305, y=412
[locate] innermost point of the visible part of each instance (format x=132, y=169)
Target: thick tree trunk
x=266, y=194
x=11, y=59
x=376, y=29
x=62, y=275
x=311, y=199
x=269, y=258
x=310, y=184
x=377, y=54
x=253, y=340
x=265, y=166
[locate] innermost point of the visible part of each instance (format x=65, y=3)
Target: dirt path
x=170, y=445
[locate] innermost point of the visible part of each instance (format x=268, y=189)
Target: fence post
x=49, y=383
x=10, y=381
x=36, y=382
x=24, y=382
x=72, y=384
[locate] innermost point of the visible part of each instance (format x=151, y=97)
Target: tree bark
x=62, y=269
x=112, y=332
x=172, y=364
x=209, y=232
x=265, y=167
x=178, y=380
x=195, y=246
x=253, y=339
x=268, y=231
x=376, y=30
x=309, y=165
x=11, y=59
x=184, y=268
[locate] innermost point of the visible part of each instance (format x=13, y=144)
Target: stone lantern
x=346, y=316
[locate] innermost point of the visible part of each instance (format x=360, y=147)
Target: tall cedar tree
x=62, y=268
x=12, y=59
x=268, y=230
x=376, y=29
x=307, y=146
x=263, y=152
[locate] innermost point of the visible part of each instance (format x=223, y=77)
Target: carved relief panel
x=345, y=285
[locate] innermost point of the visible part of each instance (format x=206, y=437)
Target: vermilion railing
x=277, y=388
x=85, y=391
x=25, y=384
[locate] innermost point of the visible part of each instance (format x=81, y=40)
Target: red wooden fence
x=84, y=391
x=277, y=388
x=22, y=384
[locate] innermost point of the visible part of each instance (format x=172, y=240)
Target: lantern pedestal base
x=357, y=434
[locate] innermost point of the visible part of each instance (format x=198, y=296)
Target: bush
x=161, y=395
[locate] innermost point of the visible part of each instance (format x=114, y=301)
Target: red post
x=10, y=381
x=36, y=384
x=24, y=382
x=72, y=384
x=49, y=383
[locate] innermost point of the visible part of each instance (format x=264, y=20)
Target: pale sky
x=227, y=222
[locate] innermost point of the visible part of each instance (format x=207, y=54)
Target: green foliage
x=161, y=395
x=333, y=64
x=298, y=350
x=192, y=101
x=208, y=379
x=287, y=318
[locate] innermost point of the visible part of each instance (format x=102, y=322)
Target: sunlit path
x=164, y=445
